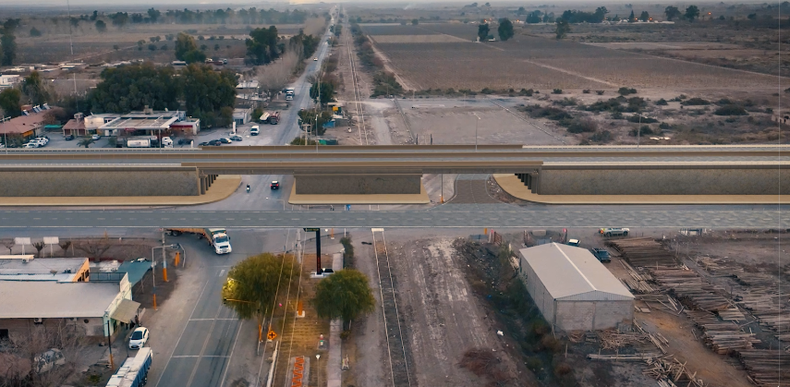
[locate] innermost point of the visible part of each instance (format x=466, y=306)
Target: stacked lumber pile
x=643, y=252
x=762, y=299
x=766, y=367
x=688, y=286
x=638, y=282
x=723, y=337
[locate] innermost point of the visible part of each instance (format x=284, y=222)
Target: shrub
x=609, y=105
x=586, y=91
x=550, y=343
x=644, y=130
x=731, y=110
x=599, y=92
x=566, y=102
x=601, y=137
x=526, y=92
x=626, y=91
x=617, y=115
x=582, y=126
x=695, y=102
x=645, y=120
x=534, y=364
x=486, y=91
x=556, y=91
x=562, y=369
x=636, y=104
x=662, y=102
x=664, y=125
x=552, y=113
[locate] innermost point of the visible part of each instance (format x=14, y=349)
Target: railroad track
x=355, y=81
x=396, y=344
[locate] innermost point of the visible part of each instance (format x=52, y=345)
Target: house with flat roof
x=97, y=308
x=28, y=268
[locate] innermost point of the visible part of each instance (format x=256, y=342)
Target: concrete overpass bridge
x=374, y=170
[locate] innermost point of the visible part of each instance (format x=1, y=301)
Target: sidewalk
x=334, y=358
x=223, y=187
x=421, y=198
x=513, y=186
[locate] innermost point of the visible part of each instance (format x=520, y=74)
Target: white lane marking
x=230, y=356
x=221, y=272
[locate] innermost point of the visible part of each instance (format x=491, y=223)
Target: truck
x=272, y=118
x=133, y=371
x=138, y=143
x=216, y=237
x=614, y=231
x=601, y=254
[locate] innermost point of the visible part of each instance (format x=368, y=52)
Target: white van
x=167, y=142
x=255, y=130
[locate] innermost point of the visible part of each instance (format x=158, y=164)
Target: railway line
x=397, y=344
x=361, y=128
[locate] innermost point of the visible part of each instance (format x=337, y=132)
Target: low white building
x=7, y=81
x=573, y=290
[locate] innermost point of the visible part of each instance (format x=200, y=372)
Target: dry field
x=539, y=63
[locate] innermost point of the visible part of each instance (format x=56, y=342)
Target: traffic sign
x=271, y=335
x=312, y=229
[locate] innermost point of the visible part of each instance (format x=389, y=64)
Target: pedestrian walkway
x=334, y=358
x=511, y=184
x=301, y=199
x=224, y=186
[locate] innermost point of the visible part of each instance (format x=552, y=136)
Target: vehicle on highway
x=225, y=140
x=216, y=237
x=289, y=97
x=275, y=184
x=255, y=130
x=601, y=254
x=315, y=59
x=236, y=137
x=69, y=137
x=614, y=231
x=138, y=338
x=215, y=143
x=95, y=137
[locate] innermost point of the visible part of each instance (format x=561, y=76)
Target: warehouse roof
x=570, y=272
x=41, y=269
x=37, y=299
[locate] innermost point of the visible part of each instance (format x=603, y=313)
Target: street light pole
x=476, y=125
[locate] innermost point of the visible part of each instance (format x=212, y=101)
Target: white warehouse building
x=573, y=290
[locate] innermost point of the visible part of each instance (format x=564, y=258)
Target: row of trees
x=205, y=93
x=8, y=42
x=563, y=27
x=252, y=287
x=187, y=16
x=34, y=91
x=504, y=30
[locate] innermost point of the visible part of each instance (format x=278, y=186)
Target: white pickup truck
x=614, y=231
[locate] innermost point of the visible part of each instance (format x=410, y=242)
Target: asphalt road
x=448, y=215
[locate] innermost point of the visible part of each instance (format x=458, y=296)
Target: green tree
x=505, y=29
x=34, y=32
x=85, y=142
x=631, y=17
x=326, y=91
x=207, y=92
x=187, y=50
x=600, y=14
x=35, y=89
x=562, y=29
x=101, y=26
x=8, y=42
x=482, y=32
x=131, y=87
x=263, y=46
x=345, y=294
x=692, y=12
x=672, y=12
x=414, y=22
x=10, y=102
x=154, y=14
x=252, y=284
x=308, y=117
x=644, y=16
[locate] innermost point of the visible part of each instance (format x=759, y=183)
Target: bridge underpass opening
x=381, y=188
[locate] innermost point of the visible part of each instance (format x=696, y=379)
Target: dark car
x=601, y=254
x=184, y=141
x=275, y=184
x=69, y=137
x=225, y=140
x=204, y=143
x=235, y=137
x=215, y=142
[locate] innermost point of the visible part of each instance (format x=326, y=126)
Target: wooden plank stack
x=690, y=288
x=643, y=252
x=723, y=337
x=766, y=367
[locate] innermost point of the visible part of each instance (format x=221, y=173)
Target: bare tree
x=9, y=244
x=65, y=246
x=94, y=248
x=38, y=246
x=274, y=76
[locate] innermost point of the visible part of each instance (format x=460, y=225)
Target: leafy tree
x=345, y=294
x=85, y=142
x=187, y=50
x=94, y=15
x=119, y=19
x=327, y=92
x=35, y=89
x=216, y=47
x=600, y=14
x=644, y=16
x=8, y=42
x=152, y=47
x=505, y=29
x=252, y=285
x=34, y=32
x=414, y=22
x=631, y=17
x=101, y=26
x=692, y=12
x=482, y=31
x=207, y=92
x=309, y=117
x=131, y=87
x=563, y=28
x=263, y=46
x=534, y=17
x=672, y=12
x=10, y=102
x=153, y=14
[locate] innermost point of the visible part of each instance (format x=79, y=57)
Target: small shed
x=573, y=290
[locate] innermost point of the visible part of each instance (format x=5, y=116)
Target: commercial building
x=28, y=125
x=7, y=81
x=573, y=290
x=97, y=307
x=27, y=268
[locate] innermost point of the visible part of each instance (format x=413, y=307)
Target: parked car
x=601, y=254
x=225, y=140
x=30, y=145
x=255, y=130
x=236, y=137
x=44, y=139
x=95, y=137
x=275, y=184
x=574, y=242
x=215, y=142
x=138, y=338
x=614, y=231
x=69, y=137
x=184, y=141
x=204, y=143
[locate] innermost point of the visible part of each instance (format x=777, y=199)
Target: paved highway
x=449, y=215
